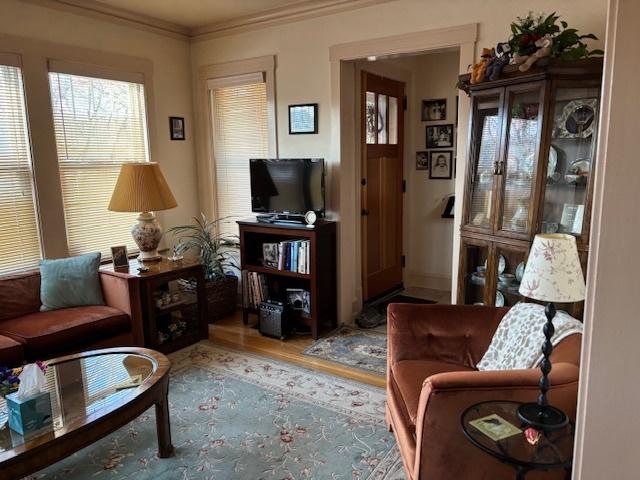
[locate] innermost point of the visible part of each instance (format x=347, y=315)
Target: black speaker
x=273, y=319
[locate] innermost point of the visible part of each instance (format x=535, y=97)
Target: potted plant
x=216, y=253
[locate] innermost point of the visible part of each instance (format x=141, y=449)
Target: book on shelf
x=254, y=289
x=290, y=256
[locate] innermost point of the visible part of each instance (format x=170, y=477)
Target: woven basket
x=222, y=295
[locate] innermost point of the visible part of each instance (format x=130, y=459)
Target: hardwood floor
x=231, y=332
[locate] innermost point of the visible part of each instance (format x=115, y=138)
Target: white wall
x=609, y=422
x=171, y=83
x=303, y=73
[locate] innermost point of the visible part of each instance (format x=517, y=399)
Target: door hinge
x=404, y=103
x=403, y=260
x=363, y=182
x=404, y=186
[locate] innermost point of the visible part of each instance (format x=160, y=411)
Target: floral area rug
x=240, y=416
x=364, y=349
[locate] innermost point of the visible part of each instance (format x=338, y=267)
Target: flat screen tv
x=287, y=186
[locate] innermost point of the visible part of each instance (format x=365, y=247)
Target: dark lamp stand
x=541, y=415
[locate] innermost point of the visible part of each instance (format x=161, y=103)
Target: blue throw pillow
x=70, y=282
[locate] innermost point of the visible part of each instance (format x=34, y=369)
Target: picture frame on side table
x=440, y=165
x=434, y=110
x=176, y=128
x=303, y=119
x=422, y=160
x=120, y=257
x=439, y=136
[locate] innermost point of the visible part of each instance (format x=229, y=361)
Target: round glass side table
x=554, y=450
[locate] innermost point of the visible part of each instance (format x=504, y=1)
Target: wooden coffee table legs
x=165, y=449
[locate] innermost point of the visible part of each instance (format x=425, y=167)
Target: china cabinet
x=532, y=143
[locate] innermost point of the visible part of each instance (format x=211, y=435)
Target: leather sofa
x=432, y=378
x=27, y=334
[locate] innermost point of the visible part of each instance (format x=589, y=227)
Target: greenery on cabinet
x=567, y=43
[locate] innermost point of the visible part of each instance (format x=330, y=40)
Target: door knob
x=364, y=212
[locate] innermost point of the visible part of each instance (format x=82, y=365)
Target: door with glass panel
x=518, y=164
x=486, y=133
x=382, y=157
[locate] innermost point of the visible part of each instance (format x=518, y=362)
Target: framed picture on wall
x=422, y=160
x=176, y=128
x=439, y=136
x=434, y=110
x=303, y=119
x=441, y=165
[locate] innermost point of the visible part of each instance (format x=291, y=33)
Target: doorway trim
x=343, y=187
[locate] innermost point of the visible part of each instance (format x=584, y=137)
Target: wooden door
x=382, y=183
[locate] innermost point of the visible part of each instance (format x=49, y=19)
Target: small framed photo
x=120, y=257
x=441, y=164
x=434, y=110
x=439, y=136
x=303, y=119
x=422, y=160
x=176, y=128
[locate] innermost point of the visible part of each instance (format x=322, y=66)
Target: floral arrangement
x=567, y=43
x=9, y=377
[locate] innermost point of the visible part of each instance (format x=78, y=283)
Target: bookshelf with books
x=293, y=264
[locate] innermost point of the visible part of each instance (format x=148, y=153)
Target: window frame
x=214, y=74
x=36, y=58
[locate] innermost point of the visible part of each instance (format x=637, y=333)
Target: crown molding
x=301, y=10
x=94, y=9
x=291, y=13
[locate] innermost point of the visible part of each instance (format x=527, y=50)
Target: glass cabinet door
x=475, y=255
x=571, y=157
x=516, y=171
x=509, y=270
x=485, y=148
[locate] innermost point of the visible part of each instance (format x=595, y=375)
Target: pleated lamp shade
x=141, y=187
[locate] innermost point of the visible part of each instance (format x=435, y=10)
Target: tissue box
x=29, y=414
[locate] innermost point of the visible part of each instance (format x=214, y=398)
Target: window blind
x=240, y=133
x=19, y=236
x=99, y=124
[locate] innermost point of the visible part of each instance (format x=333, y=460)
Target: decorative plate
x=499, y=299
x=553, y=161
x=579, y=167
x=578, y=119
x=520, y=271
x=502, y=264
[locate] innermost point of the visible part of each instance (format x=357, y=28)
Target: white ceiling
x=195, y=13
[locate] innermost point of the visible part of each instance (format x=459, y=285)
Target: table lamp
x=141, y=187
x=553, y=274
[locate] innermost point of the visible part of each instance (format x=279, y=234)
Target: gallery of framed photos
x=531, y=156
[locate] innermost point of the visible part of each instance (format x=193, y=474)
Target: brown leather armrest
x=122, y=291
x=457, y=334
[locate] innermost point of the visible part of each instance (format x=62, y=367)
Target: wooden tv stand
x=320, y=282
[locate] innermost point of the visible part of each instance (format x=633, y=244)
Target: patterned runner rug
x=353, y=347
x=240, y=416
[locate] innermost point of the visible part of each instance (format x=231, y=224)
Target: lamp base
x=147, y=234
x=545, y=418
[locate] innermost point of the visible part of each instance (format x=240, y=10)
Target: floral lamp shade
x=553, y=272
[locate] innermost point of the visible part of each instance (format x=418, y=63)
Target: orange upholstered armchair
x=432, y=379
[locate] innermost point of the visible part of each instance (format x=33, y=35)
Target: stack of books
x=292, y=255
x=254, y=289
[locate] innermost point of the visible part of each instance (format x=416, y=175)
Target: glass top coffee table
x=554, y=450
x=92, y=394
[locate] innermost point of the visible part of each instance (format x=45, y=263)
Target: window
x=240, y=132
x=19, y=237
x=99, y=124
